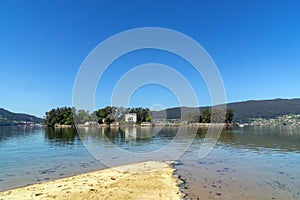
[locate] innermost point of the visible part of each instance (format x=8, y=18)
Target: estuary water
x=246, y=163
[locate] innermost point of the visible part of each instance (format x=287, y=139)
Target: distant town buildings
x=289, y=119
x=131, y=117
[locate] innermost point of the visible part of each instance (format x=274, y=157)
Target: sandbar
x=146, y=180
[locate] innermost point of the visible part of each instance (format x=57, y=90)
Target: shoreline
x=148, y=125
x=145, y=180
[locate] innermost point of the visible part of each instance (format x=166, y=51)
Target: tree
x=142, y=114
x=148, y=118
x=62, y=116
x=100, y=115
x=206, y=116
x=192, y=117
x=106, y=115
x=219, y=115
x=109, y=119
x=229, y=115
x=82, y=116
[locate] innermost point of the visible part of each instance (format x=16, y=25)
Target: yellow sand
x=147, y=180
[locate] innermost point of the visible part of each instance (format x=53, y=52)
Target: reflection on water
x=244, y=161
x=277, y=138
x=33, y=154
x=247, y=163
x=133, y=132
x=61, y=136
x=9, y=132
x=274, y=138
x=136, y=139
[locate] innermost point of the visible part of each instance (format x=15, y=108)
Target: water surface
x=246, y=163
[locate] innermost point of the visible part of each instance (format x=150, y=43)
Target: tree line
x=217, y=115
x=107, y=115
x=111, y=114
x=61, y=116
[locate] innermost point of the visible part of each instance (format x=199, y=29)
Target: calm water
x=246, y=163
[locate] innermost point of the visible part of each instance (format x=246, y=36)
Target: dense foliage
x=192, y=117
x=61, y=116
x=111, y=114
x=207, y=116
x=143, y=114
x=83, y=116
x=107, y=115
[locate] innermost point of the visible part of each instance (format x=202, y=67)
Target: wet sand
x=147, y=180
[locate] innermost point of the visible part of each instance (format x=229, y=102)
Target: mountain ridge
x=243, y=110
x=8, y=118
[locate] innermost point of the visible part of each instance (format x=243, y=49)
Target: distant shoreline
x=138, y=125
x=154, y=125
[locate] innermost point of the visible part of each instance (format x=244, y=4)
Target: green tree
x=82, y=116
x=206, y=116
x=148, y=118
x=229, y=115
x=62, y=116
x=192, y=117
x=142, y=114
x=219, y=115
x=106, y=115
x=109, y=119
x=100, y=115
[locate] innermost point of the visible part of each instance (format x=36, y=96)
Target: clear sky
x=255, y=44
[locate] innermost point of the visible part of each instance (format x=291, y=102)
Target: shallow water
x=246, y=163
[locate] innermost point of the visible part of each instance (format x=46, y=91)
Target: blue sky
x=255, y=44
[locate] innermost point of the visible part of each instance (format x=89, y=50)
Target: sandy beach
x=147, y=180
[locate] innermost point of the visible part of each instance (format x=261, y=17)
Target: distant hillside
x=247, y=109
x=8, y=118
x=267, y=109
